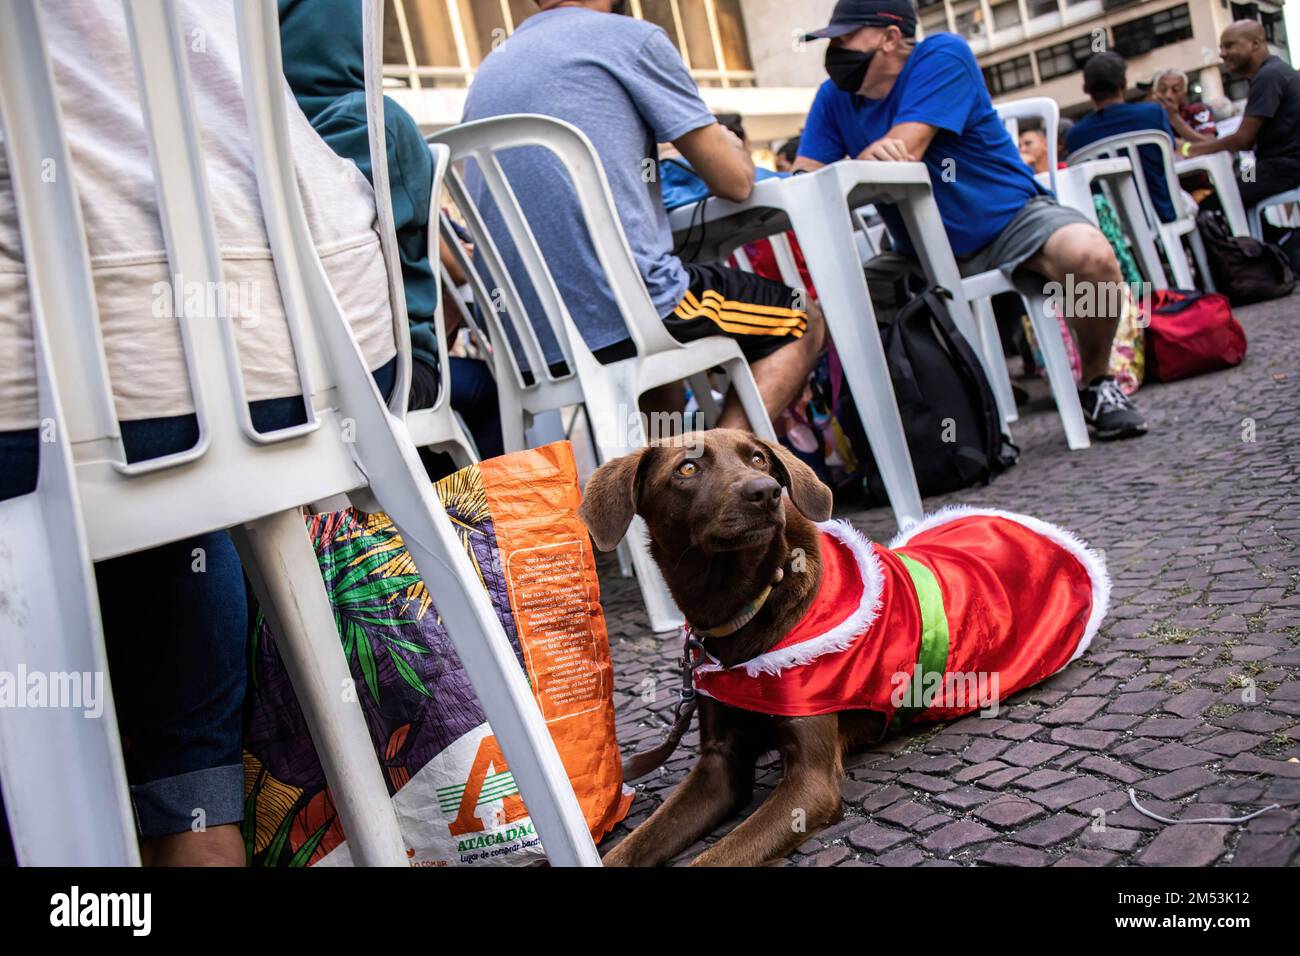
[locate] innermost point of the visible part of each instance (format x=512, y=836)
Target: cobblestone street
x=1190, y=693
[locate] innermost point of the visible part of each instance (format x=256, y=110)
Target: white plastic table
x=1218, y=166
x=1074, y=189
x=817, y=207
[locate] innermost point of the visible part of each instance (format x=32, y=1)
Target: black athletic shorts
x=760, y=314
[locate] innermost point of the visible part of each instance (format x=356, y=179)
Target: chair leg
x=703, y=389
x=1178, y=264
x=1202, y=261
x=280, y=561
x=991, y=345
x=659, y=605
x=742, y=381
x=1059, y=374
x=65, y=787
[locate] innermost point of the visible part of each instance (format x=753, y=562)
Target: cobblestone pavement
x=1190, y=693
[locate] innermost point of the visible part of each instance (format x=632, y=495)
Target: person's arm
x=1183, y=130
x=820, y=141
x=904, y=143
x=717, y=156
x=1244, y=138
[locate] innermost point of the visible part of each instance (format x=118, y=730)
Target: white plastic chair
x=1256, y=213
x=438, y=427
x=64, y=784
x=1169, y=234
x=1218, y=167
x=610, y=392
x=1040, y=109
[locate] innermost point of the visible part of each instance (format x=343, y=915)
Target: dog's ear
x=810, y=496
x=609, y=503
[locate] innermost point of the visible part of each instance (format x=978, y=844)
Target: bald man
x=1271, y=124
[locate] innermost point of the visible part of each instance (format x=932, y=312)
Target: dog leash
x=645, y=762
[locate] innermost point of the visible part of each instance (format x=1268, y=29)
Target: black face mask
x=848, y=68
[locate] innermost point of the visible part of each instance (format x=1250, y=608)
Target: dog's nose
x=761, y=490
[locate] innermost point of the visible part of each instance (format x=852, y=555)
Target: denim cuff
x=209, y=798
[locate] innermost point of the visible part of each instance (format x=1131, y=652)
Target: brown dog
x=722, y=531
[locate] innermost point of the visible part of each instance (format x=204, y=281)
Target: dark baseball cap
x=850, y=15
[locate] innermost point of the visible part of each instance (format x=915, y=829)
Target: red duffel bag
x=1191, y=333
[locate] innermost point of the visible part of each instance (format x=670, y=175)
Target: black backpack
x=1245, y=269
x=951, y=420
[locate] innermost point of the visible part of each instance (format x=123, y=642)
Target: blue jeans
x=176, y=639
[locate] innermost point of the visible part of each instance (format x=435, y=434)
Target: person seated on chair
x=1270, y=124
x=1105, y=78
x=1191, y=120
x=787, y=154
x=321, y=47
x=1033, y=149
x=176, y=630
x=621, y=81
x=890, y=99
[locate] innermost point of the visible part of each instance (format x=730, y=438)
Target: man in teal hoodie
x=321, y=45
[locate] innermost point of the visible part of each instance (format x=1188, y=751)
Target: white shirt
x=94, y=74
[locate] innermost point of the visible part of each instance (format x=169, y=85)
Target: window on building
x=1006, y=15
x=1148, y=33
x=1009, y=75
x=1039, y=8
x=934, y=21
x=970, y=23
x=439, y=43
x=1274, y=28
x=1062, y=58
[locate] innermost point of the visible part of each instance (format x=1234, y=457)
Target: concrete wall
x=779, y=58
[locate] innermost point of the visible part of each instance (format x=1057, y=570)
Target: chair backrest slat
x=372, y=40
x=503, y=290
x=1129, y=145
x=483, y=141
x=1042, y=109
x=62, y=291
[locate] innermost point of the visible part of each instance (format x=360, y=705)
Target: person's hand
x=732, y=138
x=1167, y=101
x=887, y=150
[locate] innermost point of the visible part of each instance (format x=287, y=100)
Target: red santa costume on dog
x=961, y=610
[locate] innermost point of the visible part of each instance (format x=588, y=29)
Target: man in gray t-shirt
x=621, y=81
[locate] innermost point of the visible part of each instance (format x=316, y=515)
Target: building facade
x=748, y=58
x=1038, y=47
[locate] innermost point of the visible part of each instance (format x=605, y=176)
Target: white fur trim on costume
x=1093, y=562
x=840, y=637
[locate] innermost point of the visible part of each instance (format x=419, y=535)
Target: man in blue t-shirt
x=891, y=99
x=1105, y=77
x=622, y=82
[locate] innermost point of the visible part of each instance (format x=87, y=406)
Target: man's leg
x=781, y=375
x=1078, y=256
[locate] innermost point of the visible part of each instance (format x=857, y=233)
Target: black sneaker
x=1108, y=411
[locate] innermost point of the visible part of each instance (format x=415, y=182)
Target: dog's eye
x=688, y=469
x=758, y=460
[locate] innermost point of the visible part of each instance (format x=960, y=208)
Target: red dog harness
x=962, y=610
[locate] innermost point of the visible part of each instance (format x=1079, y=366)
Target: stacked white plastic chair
x=609, y=393
x=1169, y=234
x=64, y=784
